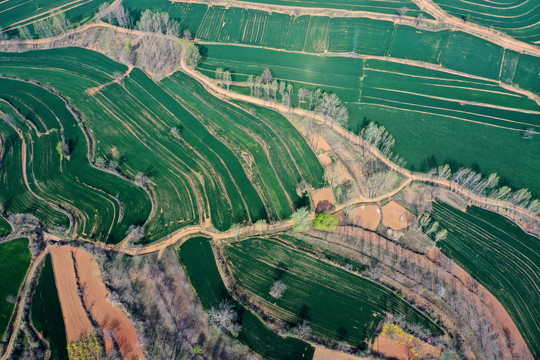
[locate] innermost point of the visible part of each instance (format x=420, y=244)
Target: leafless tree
x=224, y=317
x=420, y=19
x=141, y=179
x=403, y=11
x=302, y=93
x=301, y=219
x=267, y=76
x=441, y=235
x=227, y=79
x=136, y=233
x=278, y=288
x=24, y=33
x=303, y=330
x=251, y=83
x=187, y=35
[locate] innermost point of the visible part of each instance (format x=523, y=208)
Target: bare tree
x=441, y=235
x=302, y=93
x=301, y=219
x=219, y=76
x=267, y=76
x=187, y=35
x=420, y=19
x=278, y=288
x=527, y=133
x=432, y=228
x=303, y=330
x=136, y=233
x=224, y=317
x=251, y=83
x=227, y=79
x=141, y=179
x=24, y=33
x=403, y=11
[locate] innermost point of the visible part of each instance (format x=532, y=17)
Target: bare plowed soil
x=75, y=320
x=366, y=216
x=109, y=317
x=396, y=216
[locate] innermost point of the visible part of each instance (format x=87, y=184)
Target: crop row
x=502, y=257
x=336, y=303
x=428, y=111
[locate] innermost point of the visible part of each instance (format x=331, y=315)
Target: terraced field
x=429, y=112
x=15, y=259
x=519, y=19
x=503, y=258
x=197, y=256
x=223, y=166
x=338, y=304
x=17, y=13
x=103, y=205
x=46, y=312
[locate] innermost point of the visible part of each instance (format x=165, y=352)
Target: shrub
x=325, y=222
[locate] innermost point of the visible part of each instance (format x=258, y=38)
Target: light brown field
x=109, y=317
x=323, y=199
x=366, y=216
x=322, y=353
x=75, y=320
x=396, y=216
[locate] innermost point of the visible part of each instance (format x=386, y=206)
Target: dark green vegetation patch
x=46, y=312
x=337, y=304
x=502, y=257
x=214, y=167
x=197, y=256
x=429, y=112
x=15, y=258
x=5, y=227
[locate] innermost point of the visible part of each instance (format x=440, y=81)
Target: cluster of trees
x=223, y=77
x=487, y=186
x=49, y=27
x=430, y=227
x=225, y=318
x=328, y=105
x=378, y=137
x=163, y=307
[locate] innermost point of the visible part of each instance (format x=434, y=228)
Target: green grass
x=197, y=257
x=423, y=109
x=502, y=257
x=5, y=227
x=338, y=304
x=46, y=313
x=519, y=19
x=16, y=13
x=217, y=167
x=15, y=258
x=70, y=182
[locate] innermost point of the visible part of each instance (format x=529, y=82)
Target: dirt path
x=313, y=11
x=25, y=292
x=443, y=20
x=485, y=33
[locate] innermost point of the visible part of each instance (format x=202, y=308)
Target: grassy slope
x=5, y=227
x=20, y=12
x=519, y=19
x=197, y=256
x=15, y=259
x=72, y=182
x=403, y=99
x=211, y=150
x=339, y=304
x=501, y=257
x=46, y=313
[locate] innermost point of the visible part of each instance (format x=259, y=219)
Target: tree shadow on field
x=203, y=50
x=280, y=271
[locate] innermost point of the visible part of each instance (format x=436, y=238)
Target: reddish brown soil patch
x=396, y=216
x=325, y=160
x=322, y=353
x=394, y=343
x=75, y=320
x=109, y=317
x=391, y=349
x=320, y=143
x=323, y=199
x=366, y=216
